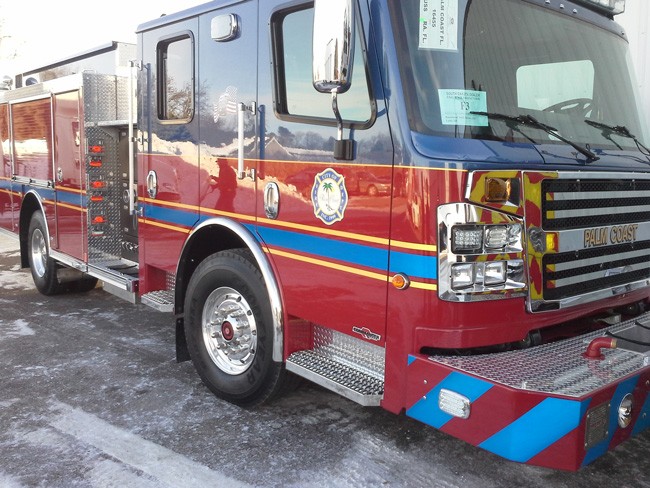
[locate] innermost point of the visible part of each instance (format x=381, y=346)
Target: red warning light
x=97, y=198
x=96, y=149
x=98, y=185
x=99, y=220
x=95, y=163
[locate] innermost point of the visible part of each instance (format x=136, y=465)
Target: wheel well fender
x=32, y=202
x=215, y=235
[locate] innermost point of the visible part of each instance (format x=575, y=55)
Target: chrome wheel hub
x=229, y=330
x=39, y=253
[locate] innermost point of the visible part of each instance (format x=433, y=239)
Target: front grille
x=597, y=263
x=574, y=204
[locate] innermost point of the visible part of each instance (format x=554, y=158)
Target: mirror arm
x=343, y=148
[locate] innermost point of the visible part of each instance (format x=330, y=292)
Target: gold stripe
x=71, y=190
x=424, y=286
x=349, y=269
x=414, y=246
x=164, y=226
x=327, y=264
x=71, y=207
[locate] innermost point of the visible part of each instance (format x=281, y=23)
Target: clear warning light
x=454, y=404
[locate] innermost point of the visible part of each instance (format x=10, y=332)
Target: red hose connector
x=594, y=349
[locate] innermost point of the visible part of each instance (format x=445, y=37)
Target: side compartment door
x=69, y=175
x=6, y=201
x=169, y=158
x=228, y=65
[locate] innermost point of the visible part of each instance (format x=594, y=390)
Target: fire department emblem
x=329, y=196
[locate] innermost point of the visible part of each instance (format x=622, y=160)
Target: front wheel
x=229, y=329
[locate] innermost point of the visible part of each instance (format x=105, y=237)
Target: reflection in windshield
x=514, y=58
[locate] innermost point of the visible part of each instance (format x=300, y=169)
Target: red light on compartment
x=99, y=220
x=95, y=163
x=98, y=184
x=96, y=149
x=97, y=198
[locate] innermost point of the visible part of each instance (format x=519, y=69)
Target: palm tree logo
x=329, y=196
x=328, y=187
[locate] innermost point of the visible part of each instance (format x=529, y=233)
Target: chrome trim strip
x=596, y=275
x=579, y=175
x=592, y=212
x=117, y=280
x=69, y=261
x=574, y=240
x=591, y=195
x=265, y=268
x=599, y=260
x=543, y=306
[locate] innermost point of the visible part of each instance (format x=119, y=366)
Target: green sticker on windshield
x=456, y=107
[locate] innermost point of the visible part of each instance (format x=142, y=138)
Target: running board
x=351, y=383
x=343, y=364
x=162, y=300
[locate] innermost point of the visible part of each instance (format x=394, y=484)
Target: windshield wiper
x=529, y=120
x=622, y=131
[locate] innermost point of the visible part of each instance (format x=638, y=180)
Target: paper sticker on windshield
x=456, y=107
x=439, y=25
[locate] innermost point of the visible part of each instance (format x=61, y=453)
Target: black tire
x=83, y=285
x=233, y=352
x=42, y=266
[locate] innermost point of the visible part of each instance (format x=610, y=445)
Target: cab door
x=228, y=66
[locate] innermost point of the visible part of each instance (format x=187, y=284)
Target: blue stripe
x=601, y=448
x=415, y=266
x=171, y=216
x=536, y=430
x=427, y=410
x=356, y=254
x=71, y=198
x=5, y=185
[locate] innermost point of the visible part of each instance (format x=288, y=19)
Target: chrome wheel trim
x=229, y=331
x=39, y=253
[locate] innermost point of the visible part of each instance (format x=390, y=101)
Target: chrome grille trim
x=602, y=224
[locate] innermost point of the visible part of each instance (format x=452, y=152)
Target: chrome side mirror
x=333, y=58
x=334, y=26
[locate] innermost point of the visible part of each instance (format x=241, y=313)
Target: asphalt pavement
x=91, y=396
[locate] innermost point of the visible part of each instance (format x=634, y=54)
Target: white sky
x=43, y=31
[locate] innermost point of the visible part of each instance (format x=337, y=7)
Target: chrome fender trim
x=268, y=275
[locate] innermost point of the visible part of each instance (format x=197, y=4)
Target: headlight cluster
x=479, y=261
x=478, y=239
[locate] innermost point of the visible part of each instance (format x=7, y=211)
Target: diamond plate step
x=162, y=300
x=340, y=378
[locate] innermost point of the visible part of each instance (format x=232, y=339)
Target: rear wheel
x=229, y=329
x=43, y=267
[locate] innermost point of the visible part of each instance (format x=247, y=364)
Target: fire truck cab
x=493, y=285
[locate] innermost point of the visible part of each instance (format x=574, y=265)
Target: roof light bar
x=613, y=7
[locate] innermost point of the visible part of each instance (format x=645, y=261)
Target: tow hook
x=594, y=349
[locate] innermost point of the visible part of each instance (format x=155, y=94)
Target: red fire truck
x=494, y=283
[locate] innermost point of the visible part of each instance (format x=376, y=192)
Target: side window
x=176, y=79
x=296, y=97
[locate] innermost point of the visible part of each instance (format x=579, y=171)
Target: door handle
x=152, y=184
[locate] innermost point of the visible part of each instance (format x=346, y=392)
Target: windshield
x=461, y=59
